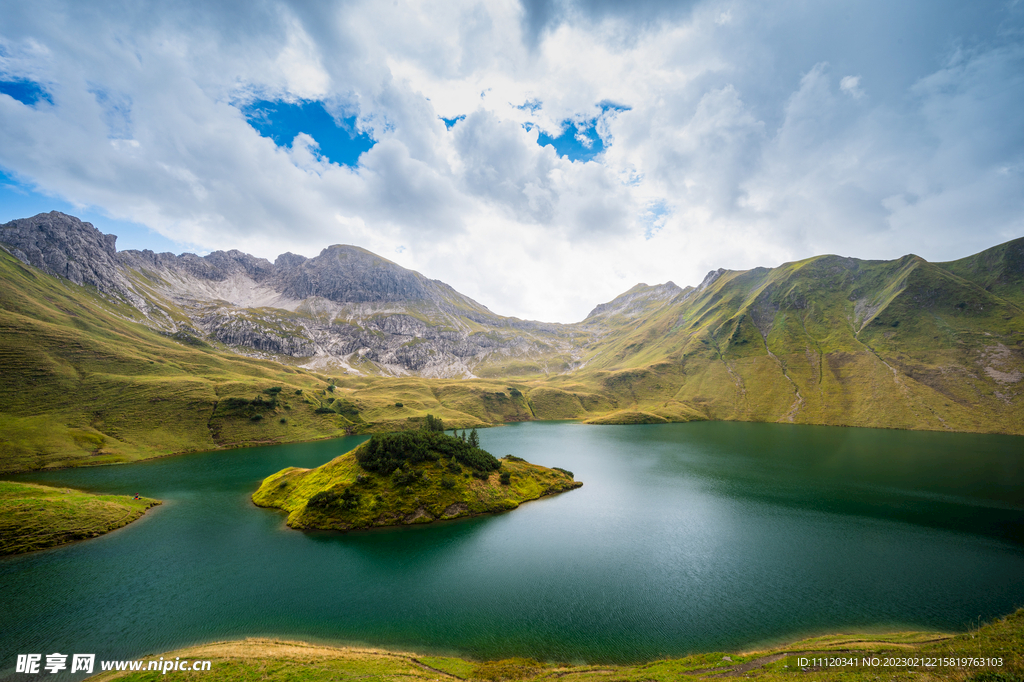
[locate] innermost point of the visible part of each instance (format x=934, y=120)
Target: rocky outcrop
x=63, y=245
x=233, y=330
x=636, y=301
x=215, y=267
x=287, y=261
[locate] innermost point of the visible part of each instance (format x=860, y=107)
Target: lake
x=685, y=537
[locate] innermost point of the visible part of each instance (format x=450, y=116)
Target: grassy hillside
x=83, y=384
x=828, y=340
x=268, y=659
x=37, y=516
x=407, y=478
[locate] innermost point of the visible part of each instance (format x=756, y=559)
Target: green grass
x=278, y=660
x=443, y=490
x=35, y=517
x=629, y=417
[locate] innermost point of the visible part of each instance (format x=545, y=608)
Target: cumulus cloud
x=721, y=133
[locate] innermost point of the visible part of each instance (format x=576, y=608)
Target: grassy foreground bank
x=37, y=516
x=269, y=659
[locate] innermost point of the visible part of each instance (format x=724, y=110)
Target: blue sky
x=540, y=157
x=25, y=91
x=338, y=140
x=580, y=139
x=578, y=142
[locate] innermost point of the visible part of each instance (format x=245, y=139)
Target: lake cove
x=706, y=536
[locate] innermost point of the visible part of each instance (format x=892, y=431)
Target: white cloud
x=740, y=145
x=851, y=86
x=300, y=67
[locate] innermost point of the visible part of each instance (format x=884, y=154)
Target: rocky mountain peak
x=234, y=261
x=63, y=245
x=349, y=274
x=635, y=301
x=710, y=278
x=289, y=260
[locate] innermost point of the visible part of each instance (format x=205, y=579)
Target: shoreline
x=4, y=475
x=273, y=658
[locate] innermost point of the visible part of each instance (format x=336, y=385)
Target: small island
x=408, y=477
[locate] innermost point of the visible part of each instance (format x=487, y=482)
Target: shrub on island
x=387, y=452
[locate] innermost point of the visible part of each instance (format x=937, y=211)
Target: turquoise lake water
x=684, y=538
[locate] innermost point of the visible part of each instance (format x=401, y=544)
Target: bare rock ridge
x=637, y=300
x=344, y=274
x=346, y=308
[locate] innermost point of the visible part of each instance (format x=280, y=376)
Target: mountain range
x=85, y=329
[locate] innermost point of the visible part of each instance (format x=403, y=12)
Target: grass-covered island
x=37, y=516
x=408, y=477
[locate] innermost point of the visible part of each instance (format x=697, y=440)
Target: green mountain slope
x=89, y=378
x=902, y=344
x=999, y=270
x=81, y=385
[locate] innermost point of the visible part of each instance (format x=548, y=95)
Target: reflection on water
x=685, y=537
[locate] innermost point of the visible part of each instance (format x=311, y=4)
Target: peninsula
x=34, y=517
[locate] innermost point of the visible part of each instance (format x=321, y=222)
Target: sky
x=540, y=156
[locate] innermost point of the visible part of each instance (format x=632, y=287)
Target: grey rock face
x=235, y=261
x=63, y=245
x=233, y=331
x=348, y=274
x=289, y=261
x=215, y=267
x=344, y=304
x=710, y=278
